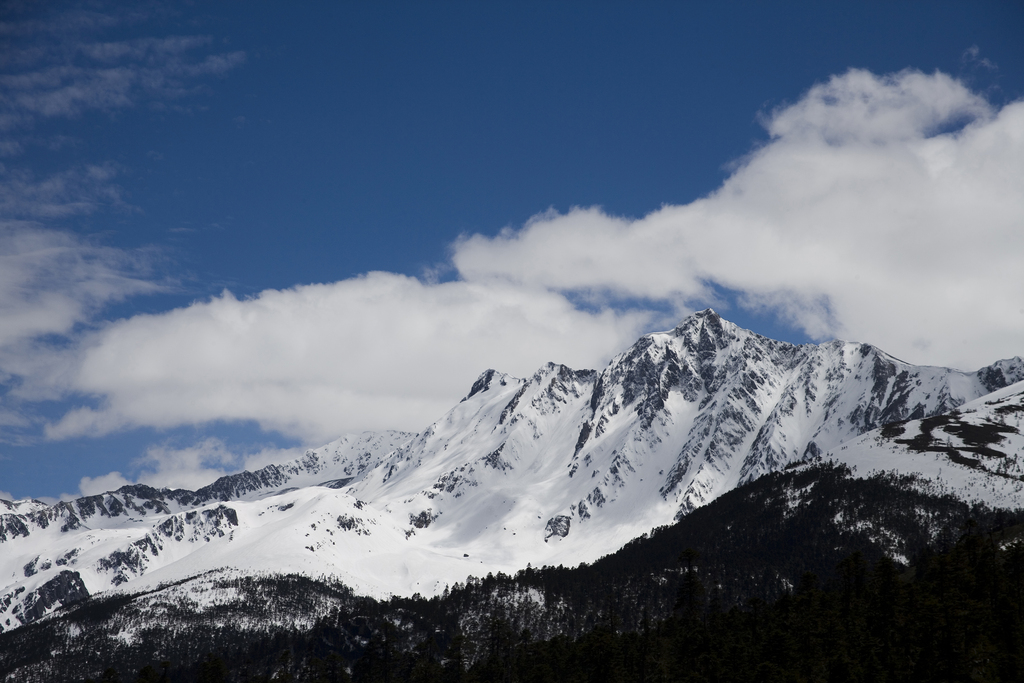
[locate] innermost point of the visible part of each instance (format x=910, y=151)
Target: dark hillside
x=755, y=543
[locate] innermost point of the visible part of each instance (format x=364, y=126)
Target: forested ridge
x=958, y=618
x=809, y=574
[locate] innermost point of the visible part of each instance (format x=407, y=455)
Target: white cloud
x=92, y=486
x=860, y=218
x=52, y=281
x=378, y=351
x=860, y=108
x=52, y=286
x=882, y=209
x=190, y=467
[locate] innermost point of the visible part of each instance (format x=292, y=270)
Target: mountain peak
x=484, y=381
x=708, y=315
x=700, y=319
x=706, y=330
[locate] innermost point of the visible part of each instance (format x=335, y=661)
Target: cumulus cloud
x=882, y=209
x=374, y=352
x=190, y=467
x=92, y=486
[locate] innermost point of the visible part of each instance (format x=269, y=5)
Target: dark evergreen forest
x=804, y=575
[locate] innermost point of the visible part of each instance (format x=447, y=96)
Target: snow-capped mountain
x=558, y=468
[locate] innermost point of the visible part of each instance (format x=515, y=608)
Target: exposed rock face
x=65, y=588
x=754, y=404
x=557, y=526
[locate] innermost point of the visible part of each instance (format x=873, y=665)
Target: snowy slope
x=561, y=467
x=975, y=452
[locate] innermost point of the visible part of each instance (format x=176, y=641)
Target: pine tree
x=212, y=670
x=455, y=660
x=689, y=600
x=147, y=674
x=284, y=671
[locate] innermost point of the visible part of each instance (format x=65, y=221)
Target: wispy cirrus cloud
x=113, y=80
x=66, y=69
x=56, y=63
x=75, y=191
x=972, y=55
x=51, y=284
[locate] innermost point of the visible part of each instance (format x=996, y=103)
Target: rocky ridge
x=560, y=467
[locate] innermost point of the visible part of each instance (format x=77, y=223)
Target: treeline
x=954, y=616
x=754, y=544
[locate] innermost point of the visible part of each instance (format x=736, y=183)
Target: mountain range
x=562, y=467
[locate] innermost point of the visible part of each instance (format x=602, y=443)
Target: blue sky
x=229, y=231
